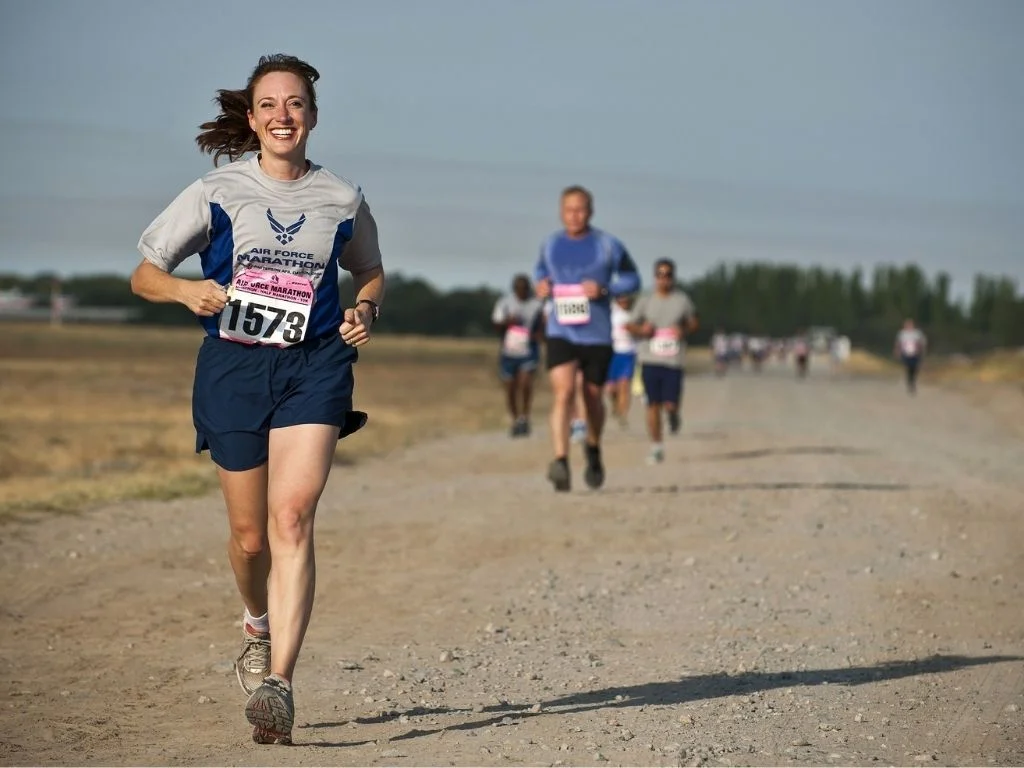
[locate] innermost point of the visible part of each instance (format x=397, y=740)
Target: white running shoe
x=253, y=663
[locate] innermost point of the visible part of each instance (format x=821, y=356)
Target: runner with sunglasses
x=662, y=320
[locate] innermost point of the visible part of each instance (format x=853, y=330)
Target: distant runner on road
x=720, y=351
x=910, y=347
x=801, y=353
x=620, y=372
x=517, y=317
x=758, y=348
x=662, y=320
x=581, y=268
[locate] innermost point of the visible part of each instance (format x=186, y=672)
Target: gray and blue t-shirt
x=275, y=245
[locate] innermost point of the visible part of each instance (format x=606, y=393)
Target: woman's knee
x=292, y=521
x=251, y=542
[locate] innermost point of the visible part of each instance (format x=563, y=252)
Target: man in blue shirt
x=579, y=271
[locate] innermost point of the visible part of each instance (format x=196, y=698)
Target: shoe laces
x=255, y=655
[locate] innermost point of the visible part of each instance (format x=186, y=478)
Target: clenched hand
x=204, y=297
x=355, y=326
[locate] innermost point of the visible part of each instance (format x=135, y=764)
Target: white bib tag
x=622, y=339
x=664, y=343
x=572, y=307
x=517, y=342
x=267, y=308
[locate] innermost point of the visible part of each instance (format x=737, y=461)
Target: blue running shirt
x=567, y=262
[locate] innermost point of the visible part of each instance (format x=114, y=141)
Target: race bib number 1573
x=267, y=308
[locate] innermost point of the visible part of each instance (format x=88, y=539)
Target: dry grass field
x=1001, y=366
x=94, y=414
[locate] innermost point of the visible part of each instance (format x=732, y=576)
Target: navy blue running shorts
x=243, y=391
x=662, y=385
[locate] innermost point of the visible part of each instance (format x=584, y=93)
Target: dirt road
x=825, y=571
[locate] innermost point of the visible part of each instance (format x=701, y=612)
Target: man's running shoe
x=578, y=431
x=656, y=456
x=558, y=474
x=253, y=663
x=594, y=475
x=271, y=710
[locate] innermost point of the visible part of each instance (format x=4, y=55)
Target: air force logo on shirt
x=285, y=234
x=303, y=262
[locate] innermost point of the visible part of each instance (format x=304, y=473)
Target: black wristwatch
x=374, y=308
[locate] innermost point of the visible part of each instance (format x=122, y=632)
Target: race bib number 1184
x=267, y=308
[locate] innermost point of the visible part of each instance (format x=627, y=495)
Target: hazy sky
x=827, y=132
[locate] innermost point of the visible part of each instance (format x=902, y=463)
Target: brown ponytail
x=229, y=133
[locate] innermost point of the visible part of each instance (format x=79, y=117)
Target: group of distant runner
x=584, y=305
x=731, y=349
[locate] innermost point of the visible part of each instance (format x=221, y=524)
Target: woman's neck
x=283, y=168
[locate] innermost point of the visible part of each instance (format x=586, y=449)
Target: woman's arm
x=369, y=286
x=204, y=297
x=357, y=321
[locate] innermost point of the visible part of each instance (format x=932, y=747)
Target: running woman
x=580, y=269
x=662, y=320
x=517, y=317
x=623, y=365
x=273, y=384
x=910, y=347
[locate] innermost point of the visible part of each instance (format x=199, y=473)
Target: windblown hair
x=229, y=133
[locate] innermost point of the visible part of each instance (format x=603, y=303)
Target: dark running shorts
x=243, y=391
x=593, y=359
x=662, y=384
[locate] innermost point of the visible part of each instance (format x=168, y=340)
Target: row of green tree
x=776, y=299
x=761, y=298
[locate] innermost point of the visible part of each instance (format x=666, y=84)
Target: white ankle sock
x=259, y=623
